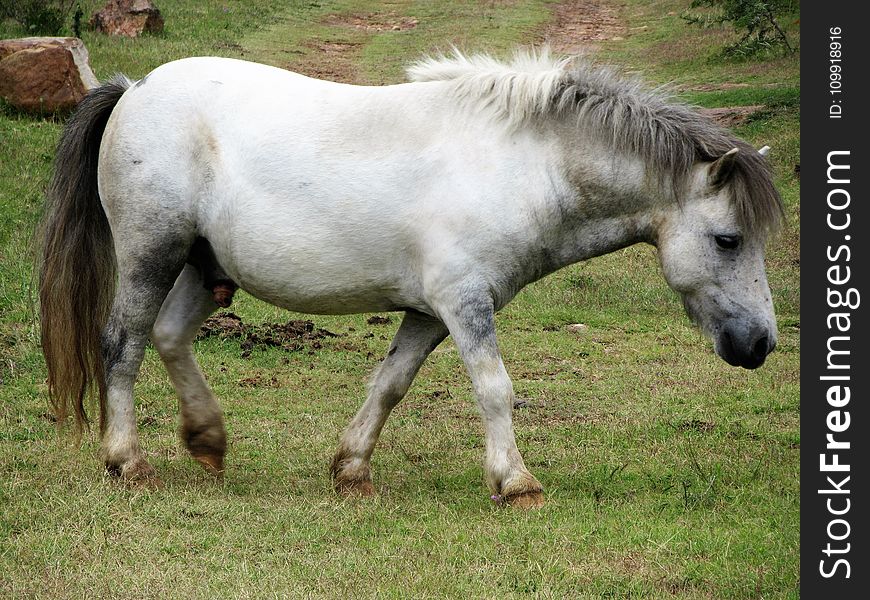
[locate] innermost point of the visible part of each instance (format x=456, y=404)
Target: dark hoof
x=207, y=445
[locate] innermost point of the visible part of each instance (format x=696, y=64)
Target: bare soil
x=579, y=25
x=336, y=61
x=731, y=116
x=292, y=336
x=373, y=21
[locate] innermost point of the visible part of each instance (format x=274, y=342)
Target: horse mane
x=668, y=135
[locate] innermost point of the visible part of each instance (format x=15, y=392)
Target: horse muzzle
x=743, y=344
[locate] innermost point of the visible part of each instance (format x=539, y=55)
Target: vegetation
x=757, y=22
x=667, y=473
x=39, y=17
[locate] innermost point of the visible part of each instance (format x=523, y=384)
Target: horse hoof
x=206, y=443
x=357, y=488
x=526, y=500
x=212, y=463
x=144, y=483
x=138, y=475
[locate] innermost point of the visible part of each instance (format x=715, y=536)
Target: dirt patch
x=731, y=116
x=338, y=59
x=259, y=381
x=696, y=425
x=291, y=336
x=578, y=26
x=379, y=320
x=335, y=61
x=372, y=21
x=716, y=87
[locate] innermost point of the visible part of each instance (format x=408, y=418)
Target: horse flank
x=77, y=275
x=669, y=136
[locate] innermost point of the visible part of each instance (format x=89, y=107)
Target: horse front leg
x=417, y=336
x=470, y=319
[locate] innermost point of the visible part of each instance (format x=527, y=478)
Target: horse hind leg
x=417, y=336
x=144, y=280
x=190, y=302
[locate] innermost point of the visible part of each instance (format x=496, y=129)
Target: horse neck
x=608, y=201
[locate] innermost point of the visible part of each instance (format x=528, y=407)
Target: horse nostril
x=761, y=349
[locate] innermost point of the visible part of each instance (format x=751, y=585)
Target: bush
x=757, y=20
x=38, y=17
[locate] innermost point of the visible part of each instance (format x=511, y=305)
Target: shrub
x=38, y=17
x=757, y=20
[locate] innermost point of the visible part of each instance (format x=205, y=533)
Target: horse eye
x=727, y=242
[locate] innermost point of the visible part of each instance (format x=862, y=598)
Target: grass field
x=667, y=472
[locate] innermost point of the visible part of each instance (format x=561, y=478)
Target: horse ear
x=764, y=150
x=720, y=170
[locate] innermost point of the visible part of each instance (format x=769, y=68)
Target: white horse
x=441, y=198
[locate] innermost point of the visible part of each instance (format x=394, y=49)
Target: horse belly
x=312, y=270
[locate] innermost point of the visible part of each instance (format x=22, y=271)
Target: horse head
x=711, y=246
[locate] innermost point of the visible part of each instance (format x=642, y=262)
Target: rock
x=578, y=328
x=127, y=17
x=44, y=74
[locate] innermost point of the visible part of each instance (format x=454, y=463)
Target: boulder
x=127, y=17
x=44, y=74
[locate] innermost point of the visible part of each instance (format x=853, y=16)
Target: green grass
x=667, y=473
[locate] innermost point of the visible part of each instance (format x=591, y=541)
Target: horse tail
x=77, y=274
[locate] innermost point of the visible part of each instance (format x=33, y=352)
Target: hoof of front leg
x=354, y=488
x=525, y=500
x=350, y=479
x=135, y=474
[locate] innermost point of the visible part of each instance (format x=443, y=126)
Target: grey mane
x=669, y=136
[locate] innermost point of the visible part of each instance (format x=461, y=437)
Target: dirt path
x=579, y=25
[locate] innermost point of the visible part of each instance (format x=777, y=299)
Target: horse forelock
x=757, y=202
x=670, y=137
